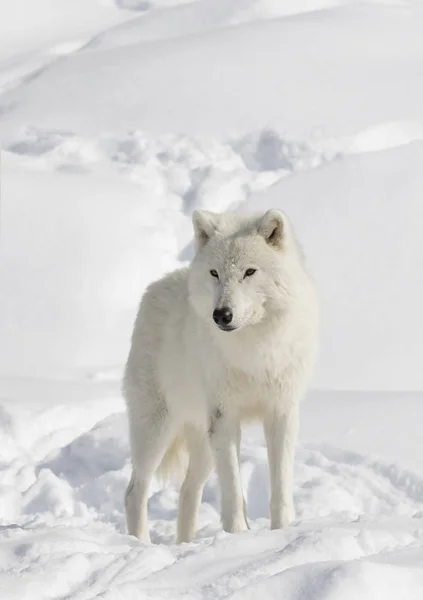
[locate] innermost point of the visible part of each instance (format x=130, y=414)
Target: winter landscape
x=118, y=118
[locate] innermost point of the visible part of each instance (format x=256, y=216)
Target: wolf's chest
x=258, y=360
x=250, y=395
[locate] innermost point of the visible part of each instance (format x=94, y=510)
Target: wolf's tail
x=175, y=460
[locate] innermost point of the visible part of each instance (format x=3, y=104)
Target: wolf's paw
x=235, y=524
x=282, y=517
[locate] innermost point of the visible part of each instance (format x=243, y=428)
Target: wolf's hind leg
x=199, y=467
x=238, y=451
x=150, y=434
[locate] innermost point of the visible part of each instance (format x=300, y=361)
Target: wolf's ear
x=205, y=225
x=271, y=227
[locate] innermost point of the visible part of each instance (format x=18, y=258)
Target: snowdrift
x=337, y=71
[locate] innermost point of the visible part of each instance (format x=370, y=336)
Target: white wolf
x=231, y=338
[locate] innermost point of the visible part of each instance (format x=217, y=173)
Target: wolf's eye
x=214, y=273
x=249, y=272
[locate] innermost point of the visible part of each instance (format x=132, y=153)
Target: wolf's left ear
x=205, y=225
x=271, y=227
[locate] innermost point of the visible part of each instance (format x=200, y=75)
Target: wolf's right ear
x=205, y=225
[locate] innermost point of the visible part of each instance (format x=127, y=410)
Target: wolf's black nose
x=222, y=316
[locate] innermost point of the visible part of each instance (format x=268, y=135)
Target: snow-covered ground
x=117, y=119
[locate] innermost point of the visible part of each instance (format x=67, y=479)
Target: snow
x=117, y=119
x=296, y=74
x=359, y=520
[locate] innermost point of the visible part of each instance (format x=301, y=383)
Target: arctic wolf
x=228, y=339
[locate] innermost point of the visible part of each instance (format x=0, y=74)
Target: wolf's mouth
x=227, y=328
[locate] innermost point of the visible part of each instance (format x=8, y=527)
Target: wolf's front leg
x=223, y=432
x=281, y=431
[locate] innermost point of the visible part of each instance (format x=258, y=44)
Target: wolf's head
x=241, y=272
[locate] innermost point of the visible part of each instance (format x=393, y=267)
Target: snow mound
x=62, y=509
x=194, y=18
x=237, y=80
x=201, y=172
x=364, y=579
x=33, y=27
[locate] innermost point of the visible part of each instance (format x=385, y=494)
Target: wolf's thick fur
x=230, y=338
